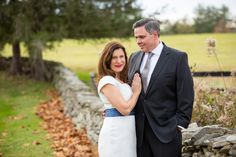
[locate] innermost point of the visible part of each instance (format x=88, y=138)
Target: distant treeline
x=207, y=20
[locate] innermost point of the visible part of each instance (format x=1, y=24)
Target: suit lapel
x=139, y=61
x=135, y=65
x=160, y=63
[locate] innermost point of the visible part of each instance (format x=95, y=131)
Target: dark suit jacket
x=168, y=101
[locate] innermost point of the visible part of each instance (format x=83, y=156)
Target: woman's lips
x=118, y=66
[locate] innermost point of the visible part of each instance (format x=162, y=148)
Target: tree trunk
x=36, y=59
x=16, y=68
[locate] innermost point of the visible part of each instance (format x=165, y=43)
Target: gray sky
x=177, y=9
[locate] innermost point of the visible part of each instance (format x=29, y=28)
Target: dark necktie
x=146, y=71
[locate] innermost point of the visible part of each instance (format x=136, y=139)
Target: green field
x=84, y=55
x=21, y=134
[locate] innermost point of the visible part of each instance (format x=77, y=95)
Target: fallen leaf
x=4, y=134
x=36, y=131
x=36, y=143
x=26, y=145
x=18, y=117
x=67, y=140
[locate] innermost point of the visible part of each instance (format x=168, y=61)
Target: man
x=165, y=104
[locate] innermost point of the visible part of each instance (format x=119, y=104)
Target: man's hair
x=150, y=24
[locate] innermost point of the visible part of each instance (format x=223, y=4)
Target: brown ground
x=67, y=140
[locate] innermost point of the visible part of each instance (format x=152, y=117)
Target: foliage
x=25, y=20
x=182, y=28
x=49, y=21
x=207, y=18
x=36, y=24
x=179, y=27
x=100, y=18
x=40, y=23
x=215, y=106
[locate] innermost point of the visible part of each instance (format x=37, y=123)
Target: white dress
x=117, y=137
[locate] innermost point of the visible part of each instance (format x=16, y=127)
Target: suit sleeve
x=130, y=57
x=185, y=92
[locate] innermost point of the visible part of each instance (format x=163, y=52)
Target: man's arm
x=185, y=92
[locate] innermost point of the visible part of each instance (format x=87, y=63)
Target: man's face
x=146, y=42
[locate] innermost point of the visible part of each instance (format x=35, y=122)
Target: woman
x=117, y=137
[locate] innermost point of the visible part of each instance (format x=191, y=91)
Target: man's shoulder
x=174, y=51
x=135, y=54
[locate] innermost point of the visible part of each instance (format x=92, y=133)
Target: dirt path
x=67, y=140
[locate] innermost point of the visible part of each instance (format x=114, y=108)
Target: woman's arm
x=116, y=99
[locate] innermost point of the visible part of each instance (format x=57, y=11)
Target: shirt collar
x=158, y=49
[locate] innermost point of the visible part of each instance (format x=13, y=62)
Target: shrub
x=215, y=106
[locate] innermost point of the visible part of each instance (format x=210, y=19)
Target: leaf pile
x=67, y=140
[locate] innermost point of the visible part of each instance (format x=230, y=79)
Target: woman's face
x=118, y=61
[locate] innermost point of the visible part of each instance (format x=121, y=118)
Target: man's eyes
x=140, y=37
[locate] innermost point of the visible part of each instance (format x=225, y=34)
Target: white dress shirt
x=154, y=59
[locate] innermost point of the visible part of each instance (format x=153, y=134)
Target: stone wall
x=209, y=141
x=82, y=105
x=85, y=109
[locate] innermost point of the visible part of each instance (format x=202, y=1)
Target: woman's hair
x=104, y=64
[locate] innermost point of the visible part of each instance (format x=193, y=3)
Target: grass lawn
x=20, y=132
x=196, y=47
x=84, y=55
